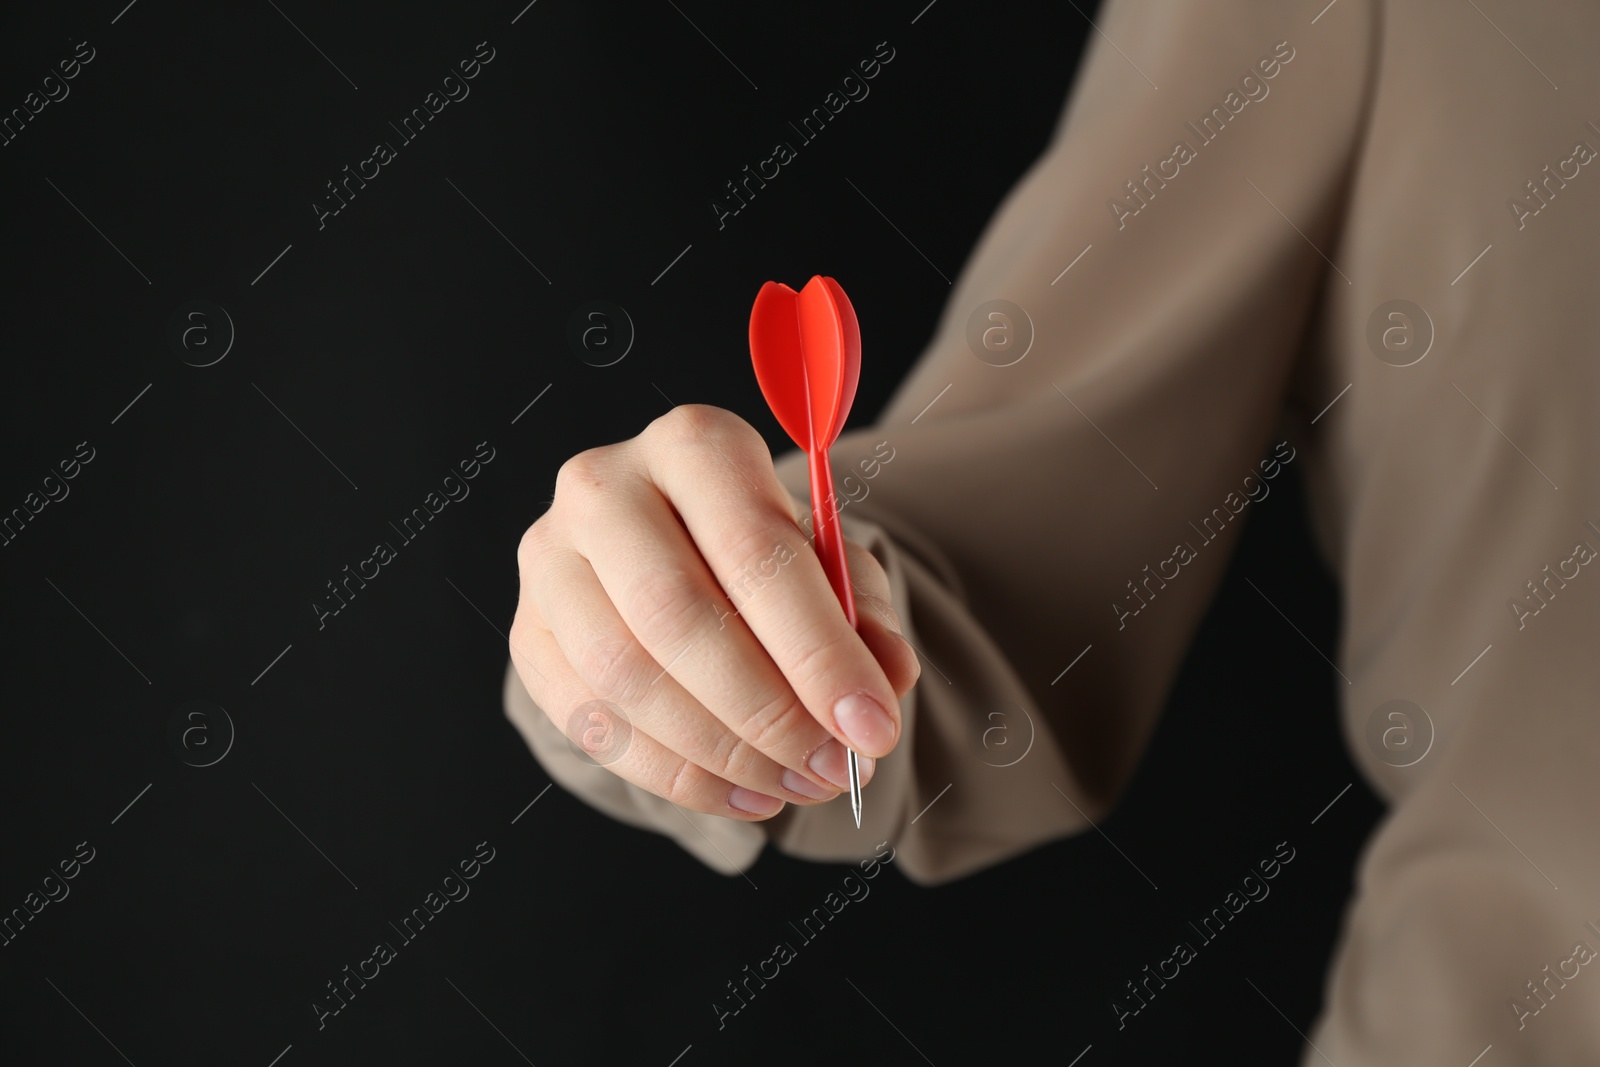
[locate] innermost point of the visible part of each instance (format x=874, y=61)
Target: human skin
x=736, y=708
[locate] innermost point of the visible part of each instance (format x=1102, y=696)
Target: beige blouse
x=1362, y=239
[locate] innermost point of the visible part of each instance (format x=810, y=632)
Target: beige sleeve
x=1032, y=507
x=1021, y=502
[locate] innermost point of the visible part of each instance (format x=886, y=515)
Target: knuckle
x=661, y=604
x=777, y=723
x=865, y=566
x=754, y=553
x=689, y=423
x=680, y=787
x=822, y=654
x=704, y=426
x=585, y=470
x=741, y=436
x=611, y=668
x=515, y=637
x=531, y=546
x=730, y=757
x=881, y=606
x=886, y=616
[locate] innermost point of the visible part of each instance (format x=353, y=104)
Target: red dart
x=806, y=348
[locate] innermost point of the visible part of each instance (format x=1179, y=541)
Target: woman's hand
x=669, y=579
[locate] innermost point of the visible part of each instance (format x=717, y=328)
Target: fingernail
x=795, y=782
x=867, y=763
x=748, y=800
x=865, y=723
x=830, y=764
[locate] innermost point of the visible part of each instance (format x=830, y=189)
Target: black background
x=398, y=337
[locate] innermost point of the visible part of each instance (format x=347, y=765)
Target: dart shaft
x=828, y=539
x=829, y=544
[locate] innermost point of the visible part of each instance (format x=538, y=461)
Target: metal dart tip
x=855, y=786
